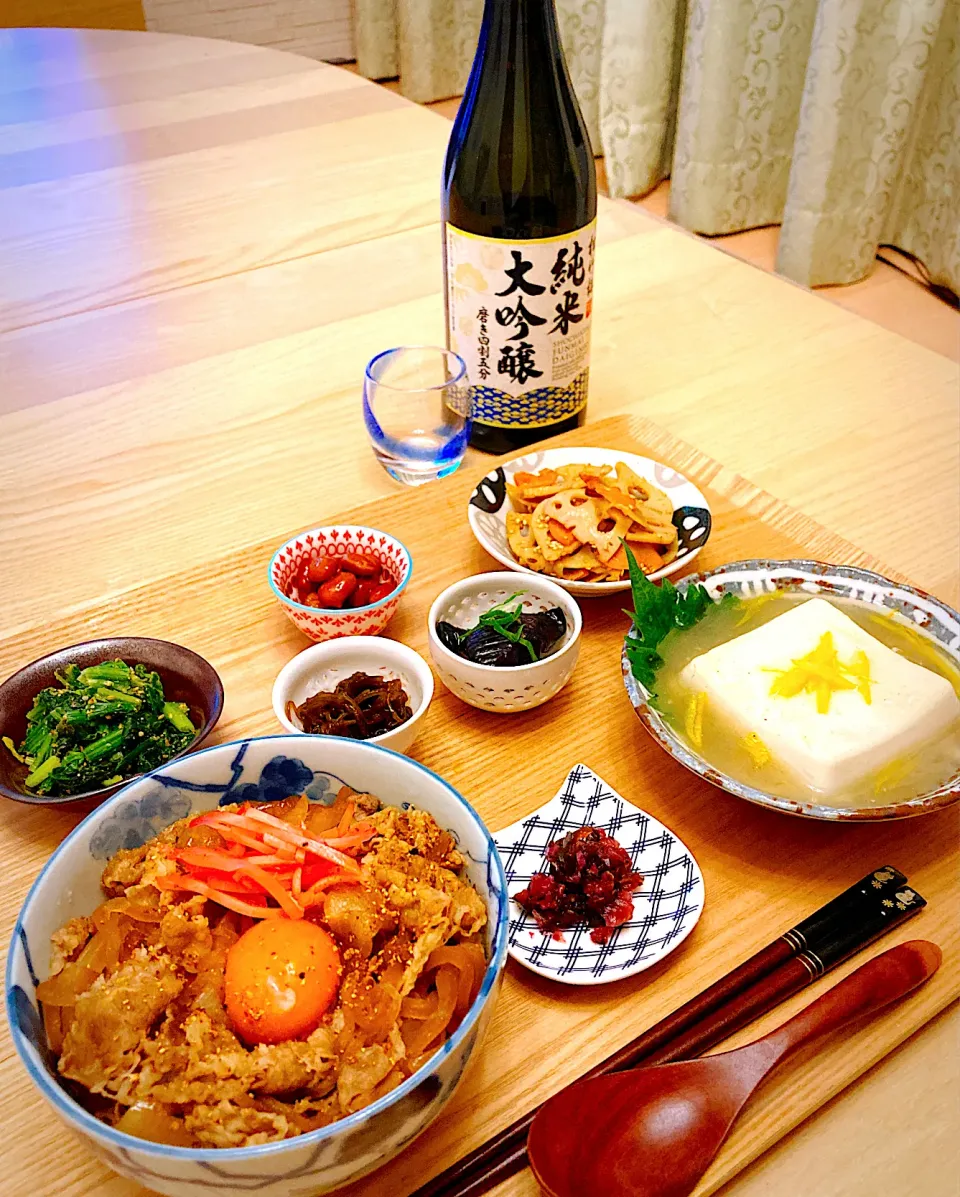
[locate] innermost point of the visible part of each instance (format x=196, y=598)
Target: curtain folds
x=839, y=119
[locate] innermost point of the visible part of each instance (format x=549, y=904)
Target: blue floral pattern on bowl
x=265, y=769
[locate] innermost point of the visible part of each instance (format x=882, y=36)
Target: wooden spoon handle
x=874, y=985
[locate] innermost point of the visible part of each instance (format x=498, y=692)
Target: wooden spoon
x=652, y=1132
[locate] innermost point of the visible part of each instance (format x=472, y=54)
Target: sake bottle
x=519, y=217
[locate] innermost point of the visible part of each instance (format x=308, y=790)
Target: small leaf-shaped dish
x=665, y=908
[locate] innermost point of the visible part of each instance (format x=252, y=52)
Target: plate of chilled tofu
x=819, y=690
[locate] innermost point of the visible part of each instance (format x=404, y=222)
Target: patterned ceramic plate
x=748, y=579
x=665, y=908
x=489, y=504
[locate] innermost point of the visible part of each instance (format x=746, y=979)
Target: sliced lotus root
x=644, y=492
x=668, y=552
x=531, y=488
x=573, y=514
x=554, y=539
x=576, y=473
x=638, y=534
x=521, y=541
x=584, y=558
x=646, y=523
x=618, y=565
x=519, y=502
x=647, y=557
x=526, y=489
x=570, y=521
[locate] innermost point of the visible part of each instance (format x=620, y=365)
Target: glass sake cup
x=417, y=407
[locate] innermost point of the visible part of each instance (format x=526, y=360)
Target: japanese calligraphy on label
x=519, y=316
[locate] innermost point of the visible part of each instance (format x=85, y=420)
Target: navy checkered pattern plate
x=665, y=908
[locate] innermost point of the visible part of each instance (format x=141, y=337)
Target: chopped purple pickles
x=590, y=879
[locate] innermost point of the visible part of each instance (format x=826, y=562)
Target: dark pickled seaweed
x=506, y=636
x=359, y=707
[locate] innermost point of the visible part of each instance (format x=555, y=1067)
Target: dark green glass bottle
x=519, y=213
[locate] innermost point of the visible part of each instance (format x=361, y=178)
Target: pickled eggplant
x=544, y=629
x=450, y=636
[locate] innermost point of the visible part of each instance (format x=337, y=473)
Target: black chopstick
x=845, y=925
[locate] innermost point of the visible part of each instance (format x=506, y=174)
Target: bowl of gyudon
x=263, y=966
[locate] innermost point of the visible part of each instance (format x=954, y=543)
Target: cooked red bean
x=361, y=564
x=361, y=596
x=322, y=568
x=301, y=579
x=381, y=590
x=336, y=592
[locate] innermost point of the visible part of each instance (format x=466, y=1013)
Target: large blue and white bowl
x=265, y=769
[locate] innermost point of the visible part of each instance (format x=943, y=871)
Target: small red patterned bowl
x=337, y=540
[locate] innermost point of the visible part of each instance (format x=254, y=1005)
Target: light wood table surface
x=201, y=245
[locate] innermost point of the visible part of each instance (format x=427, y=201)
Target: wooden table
x=201, y=244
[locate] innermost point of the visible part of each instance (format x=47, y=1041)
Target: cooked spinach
x=99, y=726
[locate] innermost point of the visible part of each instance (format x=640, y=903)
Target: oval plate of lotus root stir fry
x=566, y=514
x=599, y=890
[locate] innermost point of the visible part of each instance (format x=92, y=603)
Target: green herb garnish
x=101, y=724
x=658, y=610
x=506, y=621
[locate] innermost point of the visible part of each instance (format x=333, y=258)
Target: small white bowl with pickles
x=322, y=666
x=504, y=688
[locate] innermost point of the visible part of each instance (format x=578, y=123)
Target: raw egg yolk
x=280, y=979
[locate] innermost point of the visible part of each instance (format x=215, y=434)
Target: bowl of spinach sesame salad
x=81, y=722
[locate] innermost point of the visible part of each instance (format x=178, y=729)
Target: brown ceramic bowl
x=186, y=677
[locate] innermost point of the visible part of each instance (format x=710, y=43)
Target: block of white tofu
x=836, y=750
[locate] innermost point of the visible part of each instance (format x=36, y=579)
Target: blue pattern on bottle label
x=519, y=316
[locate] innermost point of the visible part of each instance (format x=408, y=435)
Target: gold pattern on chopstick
x=880, y=876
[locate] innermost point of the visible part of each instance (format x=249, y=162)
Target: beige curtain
x=839, y=119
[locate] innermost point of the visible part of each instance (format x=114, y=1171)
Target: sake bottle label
x=519, y=316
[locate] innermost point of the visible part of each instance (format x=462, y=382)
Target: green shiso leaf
x=657, y=611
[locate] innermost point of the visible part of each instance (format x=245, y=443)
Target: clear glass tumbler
x=416, y=406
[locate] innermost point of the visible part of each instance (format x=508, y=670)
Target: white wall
x=316, y=28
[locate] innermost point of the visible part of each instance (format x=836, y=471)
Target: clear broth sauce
x=924, y=769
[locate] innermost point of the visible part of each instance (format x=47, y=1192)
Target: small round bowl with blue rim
x=338, y=540
x=751, y=579
x=264, y=769
x=489, y=505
